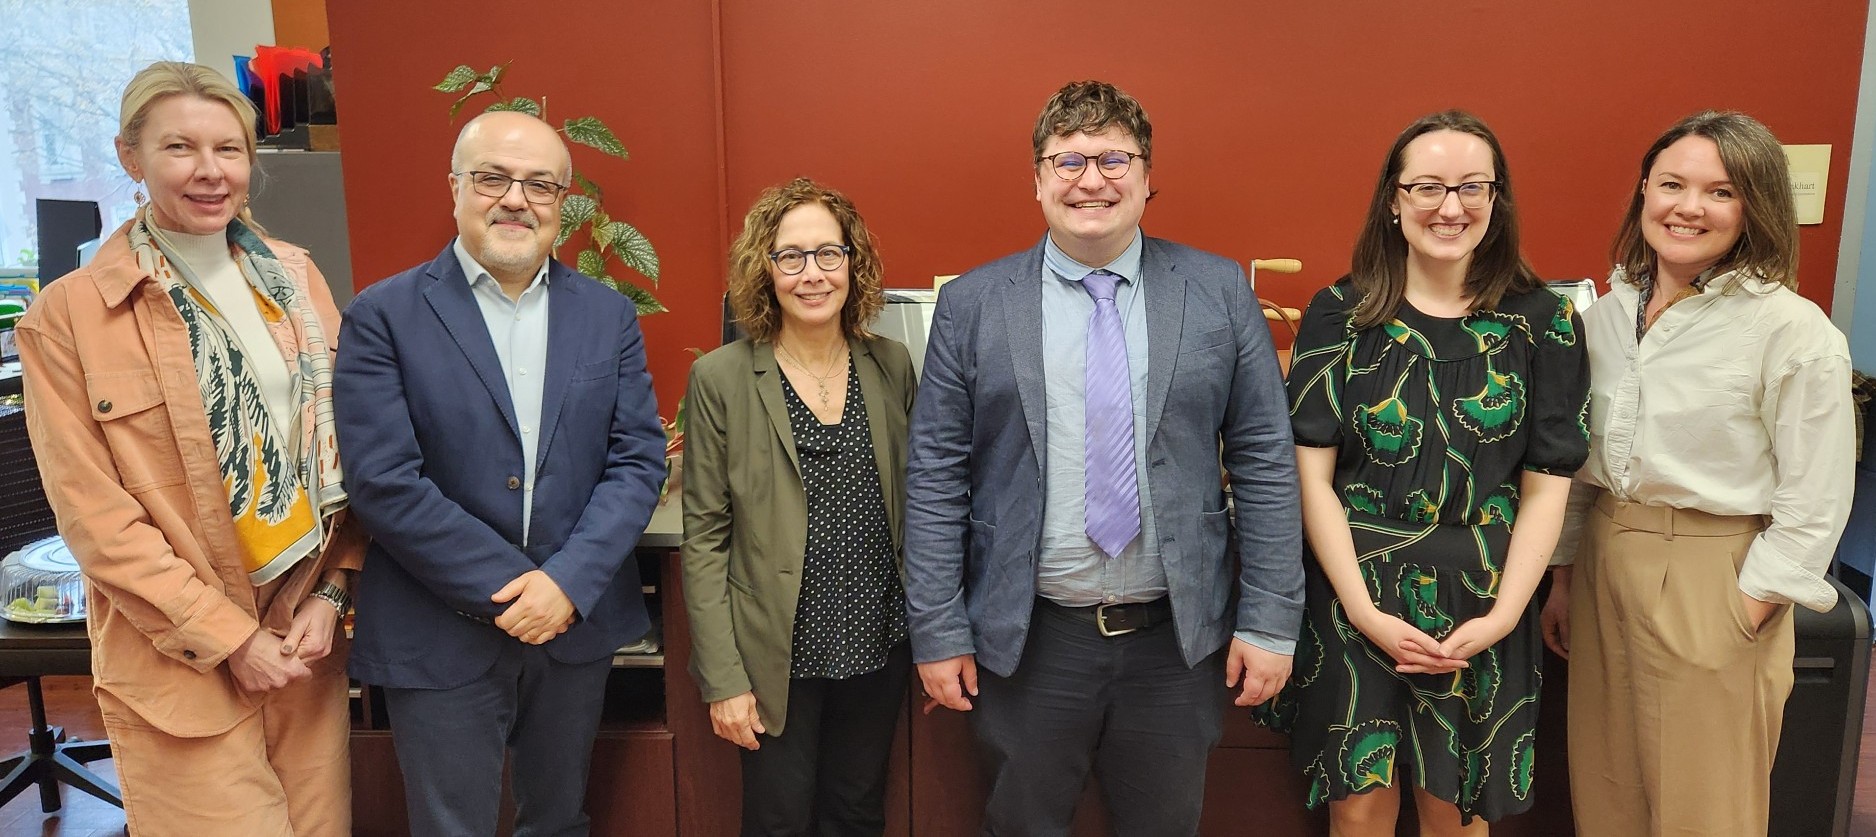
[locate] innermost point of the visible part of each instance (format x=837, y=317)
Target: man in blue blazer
x=1071, y=563
x=505, y=472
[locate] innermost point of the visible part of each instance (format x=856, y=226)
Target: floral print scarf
x=284, y=488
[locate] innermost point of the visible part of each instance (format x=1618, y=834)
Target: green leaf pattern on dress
x=1388, y=433
x=1523, y=765
x=1497, y=410
x=1420, y=588
x=1368, y=751
x=1364, y=498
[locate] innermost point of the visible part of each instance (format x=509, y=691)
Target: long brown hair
x=1379, y=265
x=1756, y=165
x=752, y=289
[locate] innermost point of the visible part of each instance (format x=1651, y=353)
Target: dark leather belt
x=1117, y=619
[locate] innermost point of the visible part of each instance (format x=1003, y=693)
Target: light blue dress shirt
x=1071, y=570
x=518, y=328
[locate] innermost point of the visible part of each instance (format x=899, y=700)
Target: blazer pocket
x=1206, y=340
x=983, y=535
x=126, y=406
x=739, y=586
x=608, y=368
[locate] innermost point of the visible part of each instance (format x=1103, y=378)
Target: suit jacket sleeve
x=622, y=502
x=708, y=518
x=454, y=554
x=1260, y=458
x=938, y=500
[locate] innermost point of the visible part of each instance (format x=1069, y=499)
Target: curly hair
x=752, y=288
x=1092, y=107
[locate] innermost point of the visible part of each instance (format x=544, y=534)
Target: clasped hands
x=538, y=611
x=1416, y=652
x=266, y=661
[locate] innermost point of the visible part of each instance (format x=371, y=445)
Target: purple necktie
x=1113, y=503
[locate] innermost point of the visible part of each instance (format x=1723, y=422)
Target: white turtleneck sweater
x=220, y=279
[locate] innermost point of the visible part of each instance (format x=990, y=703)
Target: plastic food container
x=41, y=583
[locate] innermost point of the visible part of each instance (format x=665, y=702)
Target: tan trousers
x=1675, y=701
x=284, y=771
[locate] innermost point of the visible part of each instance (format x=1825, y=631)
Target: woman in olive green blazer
x=794, y=473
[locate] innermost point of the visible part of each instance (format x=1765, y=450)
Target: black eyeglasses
x=1473, y=194
x=492, y=184
x=1071, y=165
x=792, y=261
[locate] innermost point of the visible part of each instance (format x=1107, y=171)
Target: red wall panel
x=1270, y=119
x=648, y=68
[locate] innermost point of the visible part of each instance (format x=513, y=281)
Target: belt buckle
x=1100, y=620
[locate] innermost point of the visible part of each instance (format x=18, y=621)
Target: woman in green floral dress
x=1437, y=397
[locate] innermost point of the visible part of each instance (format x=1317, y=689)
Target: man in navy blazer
x=1074, y=577
x=505, y=471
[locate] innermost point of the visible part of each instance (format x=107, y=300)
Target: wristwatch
x=333, y=595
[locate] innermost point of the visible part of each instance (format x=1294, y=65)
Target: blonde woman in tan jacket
x=178, y=399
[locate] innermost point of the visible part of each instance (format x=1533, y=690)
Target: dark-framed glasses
x=792, y=261
x=1071, y=165
x=1473, y=194
x=494, y=184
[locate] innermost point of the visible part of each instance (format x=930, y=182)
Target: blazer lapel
x=566, y=329
x=1165, y=318
x=885, y=453
x=769, y=389
x=1022, y=318
x=454, y=303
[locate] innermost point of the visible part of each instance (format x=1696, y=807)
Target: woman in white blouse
x=1718, y=481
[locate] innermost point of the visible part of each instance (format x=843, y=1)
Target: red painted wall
x=1270, y=119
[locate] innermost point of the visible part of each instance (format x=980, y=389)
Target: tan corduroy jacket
x=746, y=512
x=122, y=441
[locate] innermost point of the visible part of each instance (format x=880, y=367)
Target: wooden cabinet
x=658, y=771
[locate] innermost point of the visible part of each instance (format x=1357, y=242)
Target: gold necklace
x=820, y=380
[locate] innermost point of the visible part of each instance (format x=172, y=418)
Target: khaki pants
x=284, y=771
x=1675, y=701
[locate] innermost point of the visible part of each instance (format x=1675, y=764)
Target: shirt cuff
x=1268, y=642
x=1772, y=578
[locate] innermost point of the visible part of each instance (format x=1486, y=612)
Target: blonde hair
x=752, y=289
x=1755, y=163
x=164, y=79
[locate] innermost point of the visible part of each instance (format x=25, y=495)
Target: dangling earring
x=1395, y=221
x=137, y=196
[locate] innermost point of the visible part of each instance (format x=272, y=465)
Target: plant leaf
x=633, y=248
x=457, y=79
x=574, y=211
x=518, y=103
x=588, y=186
x=495, y=73
x=589, y=131
x=641, y=298
x=479, y=88
x=591, y=263
x=602, y=231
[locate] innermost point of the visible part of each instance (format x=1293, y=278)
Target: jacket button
x=104, y=406
x=514, y=483
x=188, y=655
